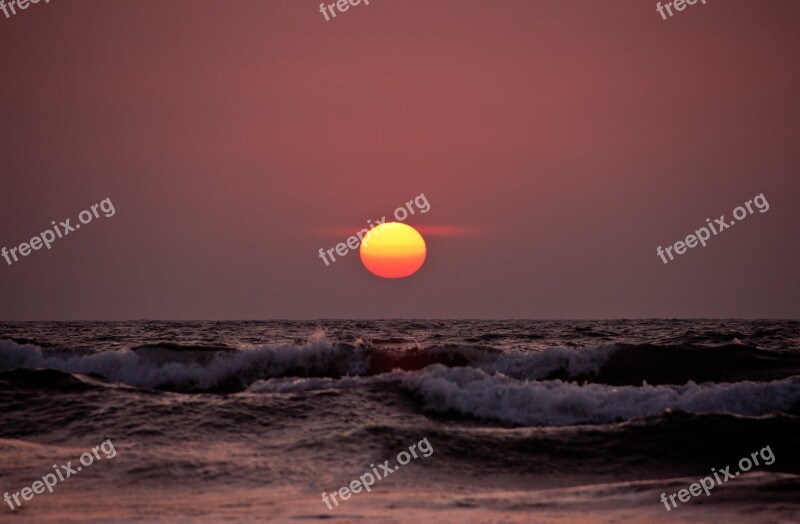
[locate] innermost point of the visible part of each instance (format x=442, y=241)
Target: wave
x=214, y=368
x=44, y=379
x=217, y=371
x=510, y=389
x=168, y=352
x=475, y=393
x=196, y=368
x=631, y=364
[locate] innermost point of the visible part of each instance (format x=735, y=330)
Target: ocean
x=528, y=421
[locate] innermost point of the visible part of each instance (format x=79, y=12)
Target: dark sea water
x=529, y=421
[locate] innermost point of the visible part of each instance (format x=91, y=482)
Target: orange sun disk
x=393, y=250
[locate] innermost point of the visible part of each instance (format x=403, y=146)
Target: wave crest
x=475, y=393
x=223, y=369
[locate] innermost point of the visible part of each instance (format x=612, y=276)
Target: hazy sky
x=558, y=143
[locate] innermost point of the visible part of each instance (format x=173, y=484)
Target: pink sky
x=563, y=141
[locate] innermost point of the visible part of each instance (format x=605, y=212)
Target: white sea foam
x=300, y=385
x=154, y=366
x=476, y=393
x=494, y=390
x=575, y=361
x=129, y=367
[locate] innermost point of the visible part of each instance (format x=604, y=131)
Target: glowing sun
x=393, y=250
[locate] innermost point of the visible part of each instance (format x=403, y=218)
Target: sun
x=393, y=250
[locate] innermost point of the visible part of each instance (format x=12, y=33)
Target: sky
x=558, y=143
